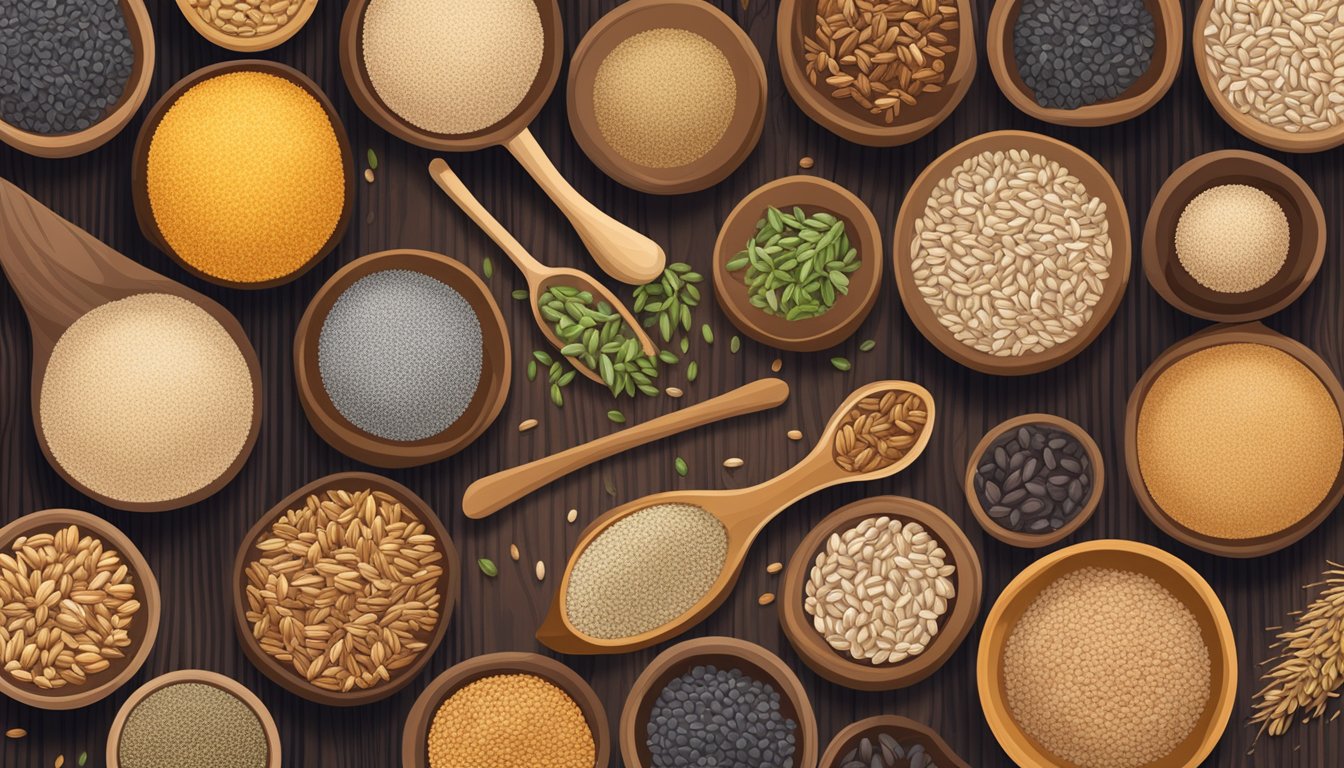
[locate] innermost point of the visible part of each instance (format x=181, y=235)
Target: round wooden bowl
x=841, y=668
x=1023, y=538
x=491, y=392
x=1177, y=577
x=247, y=44
x=1149, y=89
x=144, y=213
x=415, y=736
x=908, y=732
x=141, y=31
x=1246, y=333
x=1306, y=247
x=849, y=311
x=204, y=678
x=144, y=629
x=724, y=653
x=797, y=19
x=1098, y=183
x=632, y=18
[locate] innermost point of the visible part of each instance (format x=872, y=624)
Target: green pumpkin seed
x=868, y=346
x=616, y=417
x=708, y=333
x=373, y=166
x=531, y=370
x=680, y=466
x=840, y=363
x=692, y=371
x=488, y=268
x=734, y=344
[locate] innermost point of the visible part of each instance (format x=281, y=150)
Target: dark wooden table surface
x=192, y=549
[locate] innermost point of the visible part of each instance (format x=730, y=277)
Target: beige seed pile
x=645, y=570
x=1232, y=238
x=878, y=590
x=248, y=18
x=1107, y=669
x=1011, y=253
x=879, y=431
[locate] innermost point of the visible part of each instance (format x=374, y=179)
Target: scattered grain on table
x=766, y=598
x=571, y=516
x=15, y=733
x=514, y=553
x=794, y=434
x=541, y=571
x=673, y=392
x=805, y=162
x=776, y=365
x=527, y=424
x=732, y=463
x=368, y=175
x=774, y=568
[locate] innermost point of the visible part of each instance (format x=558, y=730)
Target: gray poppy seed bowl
x=1076, y=53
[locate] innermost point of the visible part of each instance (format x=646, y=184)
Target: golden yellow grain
x=510, y=720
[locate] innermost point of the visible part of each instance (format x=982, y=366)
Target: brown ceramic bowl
x=906, y=731
x=491, y=392
x=1306, y=247
x=1149, y=89
x=247, y=44
x=283, y=674
x=415, y=736
x=724, y=653
x=849, y=311
x=841, y=668
x=1098, y=183
x=1182, y=581
x=632, y=18
x=1024, y=538
x=1246, y=333
x=144, y=213
x=204, y=678
x=797, y=20
x=144, y=627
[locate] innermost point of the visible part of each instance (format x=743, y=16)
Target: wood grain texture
x=192, y=549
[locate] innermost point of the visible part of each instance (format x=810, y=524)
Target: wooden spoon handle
x=494, y=492
x=457, y=191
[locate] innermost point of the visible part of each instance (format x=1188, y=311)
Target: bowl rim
x=933, y=742
x=247, y=44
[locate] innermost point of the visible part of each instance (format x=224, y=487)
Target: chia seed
x=1074, y=53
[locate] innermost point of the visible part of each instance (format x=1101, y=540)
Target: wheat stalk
x=1310, y=666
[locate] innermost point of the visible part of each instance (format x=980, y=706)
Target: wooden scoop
x=60, y=272
x=539, y=276
x=743, y=512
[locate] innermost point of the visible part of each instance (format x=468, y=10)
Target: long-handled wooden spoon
x=744, y=512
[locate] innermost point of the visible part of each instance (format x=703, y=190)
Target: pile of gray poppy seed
x=722, y=718
x=1074, y=53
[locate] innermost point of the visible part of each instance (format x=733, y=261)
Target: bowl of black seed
x=890, y=741
x=1034, y=480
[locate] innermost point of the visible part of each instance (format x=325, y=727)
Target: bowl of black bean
x=890, y=741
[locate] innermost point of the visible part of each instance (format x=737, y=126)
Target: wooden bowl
x=1306, y=247
x=724, y=653
x=1177, y=577
x=847, y=120
x=1023, y=538
x=1169, y=25
x=247, y=44
x=141, y=31
x=632, y=18
x=849, y=311
x=415, y=736
x=144, y=629
x=908, y=732
x=1246, y=333
x=144, y=213
x=204, y=678
x=1099, y=184
x=842, y=669
x=491, y=392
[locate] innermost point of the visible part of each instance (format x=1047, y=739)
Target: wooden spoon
x=743, y=513
x=539, y=276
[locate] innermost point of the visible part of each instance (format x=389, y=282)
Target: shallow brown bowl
x=283, y=674
x=1099, y=184
x=724, y=653
x=144, y=629
x=843, y=319
x=1177, y=577
x=204, y=678
x=1023, y=538
x=908, y=732
x=491, y=392
x=797, y=18
x=246, y=44
x=1246, y=333
x=1149, y=89
x=415, y=736
x=842, y=669
x=1306, y=246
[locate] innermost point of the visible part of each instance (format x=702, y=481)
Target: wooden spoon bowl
x=906, y=731
x=251, y=44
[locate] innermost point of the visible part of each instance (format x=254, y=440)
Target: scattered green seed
x=531, y=370
x=685, y=345
x=734, y=344
x=692, y=371
x=616, y=416
x=373, y=164
x=488, y=567
x=609, y=487
x=557, y=397
x=83, y=758
x=868, y=346
x=708, y=333
x=840, y=363
x=542, y=357
x=680, y=466
x=520, y=295
x=488, y=268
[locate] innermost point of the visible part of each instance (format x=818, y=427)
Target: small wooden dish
x=1023, y=538
x=908, y=732
x=141, y=31
x=1098, y=183
x=144, y=629
x=796, y=20
x=491, y=392
x=1306, y=247
x=415, y=736
x=1145, y=92
x=283, y=674
x=637, y=16
x=724, y=653
x=1177, y=577
x=204, y=678
x=144, y=212
x=247, y=44
x=842, y=669
x=850, y=310
x=1245, y=333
